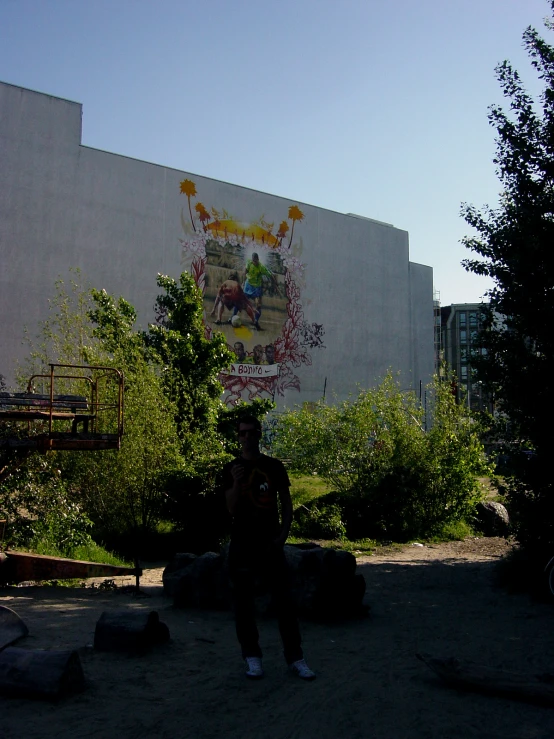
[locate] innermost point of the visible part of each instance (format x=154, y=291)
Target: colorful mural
x=251, y=279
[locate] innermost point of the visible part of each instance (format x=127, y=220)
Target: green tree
x=172, y=402
x=191, y=362
x=514, y=247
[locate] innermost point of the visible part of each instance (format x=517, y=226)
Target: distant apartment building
x=460, y=326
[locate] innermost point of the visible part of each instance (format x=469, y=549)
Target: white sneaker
x=254, y=667
x=301, y=669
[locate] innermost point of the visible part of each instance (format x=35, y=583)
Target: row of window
x=473, y=335
x=472, y=353
x=463, y=317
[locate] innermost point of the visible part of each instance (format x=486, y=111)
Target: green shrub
x=393, y=479
x=37, y=506
x=318, y=520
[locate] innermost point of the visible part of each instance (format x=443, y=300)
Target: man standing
x=254, y=273
x=253, y=485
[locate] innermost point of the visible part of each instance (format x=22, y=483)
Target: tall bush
x=392, y=478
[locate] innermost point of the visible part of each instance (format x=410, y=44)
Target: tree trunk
x=40, y=674
x=470, y=676
x=128, y=631
x=12, y=627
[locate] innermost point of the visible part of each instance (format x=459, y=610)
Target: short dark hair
x=252, y=420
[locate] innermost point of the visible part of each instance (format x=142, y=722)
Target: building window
x=474, y=336
x=463, y=372
x=463, y=336
x=473, y=320
x=463, y=355
x=462, y=319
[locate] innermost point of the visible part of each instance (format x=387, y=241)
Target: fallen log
x=468, y=675
x=129, y=631
x=12, y=627
x=23, y=566
x=40, y=674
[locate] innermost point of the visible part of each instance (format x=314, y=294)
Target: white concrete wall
x=64, y=205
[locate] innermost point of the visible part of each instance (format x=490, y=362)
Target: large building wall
x=354, y=305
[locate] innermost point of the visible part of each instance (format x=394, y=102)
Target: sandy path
x=435, y=599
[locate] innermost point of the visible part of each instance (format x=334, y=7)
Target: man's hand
x=280, y=541
x=233, y=494
x=286, y=514
x=237, y=473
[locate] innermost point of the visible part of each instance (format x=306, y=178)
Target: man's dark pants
x=246, y=566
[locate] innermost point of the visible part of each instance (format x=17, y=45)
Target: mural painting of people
x=238, y=266
x=253, y=287
x=231, y=296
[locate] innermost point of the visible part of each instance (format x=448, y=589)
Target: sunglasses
x=249, y=432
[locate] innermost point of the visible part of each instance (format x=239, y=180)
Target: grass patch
x=454, y=531
x=304, y=488
x=89, y=552
x=93, y=552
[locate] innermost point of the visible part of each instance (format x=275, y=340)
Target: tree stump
x=471, y=676
x=129, y=631
x=40, y=674
x=12, y=627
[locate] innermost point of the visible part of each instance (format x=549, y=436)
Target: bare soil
x=439, y=599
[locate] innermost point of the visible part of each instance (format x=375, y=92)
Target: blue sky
x=374, y=107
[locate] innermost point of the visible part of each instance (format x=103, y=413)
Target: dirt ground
x=438, y=599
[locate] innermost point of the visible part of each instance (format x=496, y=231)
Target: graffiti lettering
x=254, y=370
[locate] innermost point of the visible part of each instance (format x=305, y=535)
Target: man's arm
x=232, y=494
x=286, y=515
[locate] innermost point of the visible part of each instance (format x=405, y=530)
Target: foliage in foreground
x=390, y=478
x=514, y=247
x=172, y=402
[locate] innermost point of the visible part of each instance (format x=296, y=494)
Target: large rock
x=174, y=571
x=493, y=519
x=324, y=582
x=201, y=583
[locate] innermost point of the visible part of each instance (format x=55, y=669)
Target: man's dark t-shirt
x=256, y=517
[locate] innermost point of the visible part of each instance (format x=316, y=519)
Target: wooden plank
x=71, y=442
x=49, y=674
x=24, y=566
x=76, y=444
x=11, y=443
x=34, y=415
x=471, y=676
x=41, y=399
x=12, y=627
